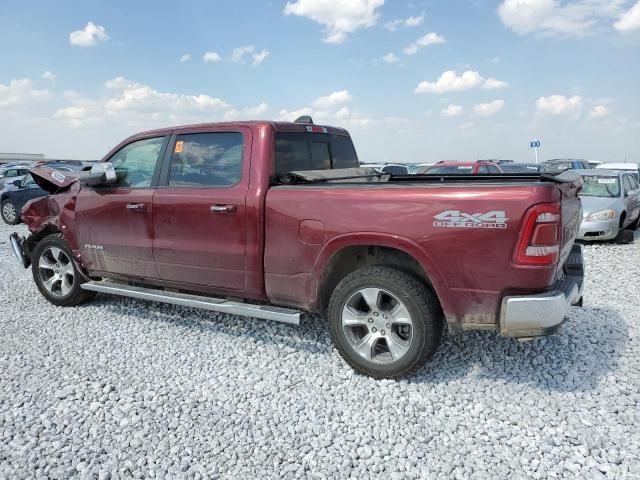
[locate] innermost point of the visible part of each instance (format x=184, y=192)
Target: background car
x=11, y=172
x=524, y=168
x=559, y=165
x=610, y=203
x=632, y=168
x=462, y=168
x=395, y=169
x=18, y=192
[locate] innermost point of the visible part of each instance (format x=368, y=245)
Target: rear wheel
x=55, y=273
x=10, y=213
x=384, y=323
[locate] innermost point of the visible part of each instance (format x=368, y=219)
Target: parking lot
x=121, y=388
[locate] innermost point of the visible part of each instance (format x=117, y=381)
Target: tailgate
x=570, y=185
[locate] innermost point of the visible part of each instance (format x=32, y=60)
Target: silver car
x=610, y=203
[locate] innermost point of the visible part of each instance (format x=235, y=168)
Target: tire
x=635, y=225
x=624, y=234
x=406, y=318
x=10, y=214
x=55, y=273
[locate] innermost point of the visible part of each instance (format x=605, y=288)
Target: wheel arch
x=344, y=254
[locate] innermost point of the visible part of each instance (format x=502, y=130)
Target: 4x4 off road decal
x=457, y=219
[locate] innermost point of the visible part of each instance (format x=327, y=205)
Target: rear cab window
x=300, y=151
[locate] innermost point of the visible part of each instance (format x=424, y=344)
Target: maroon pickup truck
x=268, y=219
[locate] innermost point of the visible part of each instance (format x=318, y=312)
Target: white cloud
x=450, y=81
x=248, y=113
x=211, y=57
x=332, y=100
x=344, y=112
x=556, y=17
x=49, y=76
x=390, y=58
x=90, y=36
x=186, y=57
x=260, y=57
x=599, y=111
x=329, y=109
x=452, y=111
x=414, y=21
x=409, y=22
x=20, y=91
x=290, y=116
x=559, y=104
x=424, y=41
x=140, y=106
x=238, y=55
x=339, y=17
x=495, y=60
x=493, y=84
x=629, y=20
x=489, y=109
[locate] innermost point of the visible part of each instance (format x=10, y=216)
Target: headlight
x=602, y=215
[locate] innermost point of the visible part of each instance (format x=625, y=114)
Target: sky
x=413, y=81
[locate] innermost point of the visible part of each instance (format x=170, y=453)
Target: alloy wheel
x=377, y=325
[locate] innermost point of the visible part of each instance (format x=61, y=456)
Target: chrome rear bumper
x=543, y=313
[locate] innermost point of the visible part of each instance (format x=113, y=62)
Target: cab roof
x=275, y=125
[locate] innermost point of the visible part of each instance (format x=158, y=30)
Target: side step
x=264, y=312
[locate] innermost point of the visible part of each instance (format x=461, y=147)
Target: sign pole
x=535, y=144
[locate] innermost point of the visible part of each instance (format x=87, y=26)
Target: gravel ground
x=122, y=388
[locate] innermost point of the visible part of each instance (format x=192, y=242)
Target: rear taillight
x=539, y=242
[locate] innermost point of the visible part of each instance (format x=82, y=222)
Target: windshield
x=460, y=170
x=600, y=186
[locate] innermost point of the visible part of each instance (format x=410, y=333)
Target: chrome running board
x=264, y=312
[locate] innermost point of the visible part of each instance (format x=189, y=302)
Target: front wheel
x=55, y=273
x=384, y=323
x=10, y=213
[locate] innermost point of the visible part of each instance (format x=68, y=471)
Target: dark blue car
x=17, y=193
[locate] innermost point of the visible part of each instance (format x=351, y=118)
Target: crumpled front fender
x=50, y=214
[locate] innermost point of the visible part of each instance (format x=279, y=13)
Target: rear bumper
x=543, y=313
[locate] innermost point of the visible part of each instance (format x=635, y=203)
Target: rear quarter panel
x=470, y=268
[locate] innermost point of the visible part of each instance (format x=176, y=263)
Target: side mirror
x=17, y=182
x=102, y=173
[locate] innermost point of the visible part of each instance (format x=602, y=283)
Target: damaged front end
x=55, y=213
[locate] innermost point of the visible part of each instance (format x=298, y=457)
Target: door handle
x=222, y=208
x=135, y=207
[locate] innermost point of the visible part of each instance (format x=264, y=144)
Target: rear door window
x=206, y=160
x=313, y=151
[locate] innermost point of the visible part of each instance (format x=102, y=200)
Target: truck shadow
x=586, y=349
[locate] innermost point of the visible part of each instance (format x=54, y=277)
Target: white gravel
x=121, y=388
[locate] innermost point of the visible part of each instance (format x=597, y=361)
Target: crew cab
x=272, y=219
